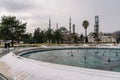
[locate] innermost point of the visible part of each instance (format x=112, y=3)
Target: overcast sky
x=37, y=12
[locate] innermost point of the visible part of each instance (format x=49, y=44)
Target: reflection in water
x=90, y=58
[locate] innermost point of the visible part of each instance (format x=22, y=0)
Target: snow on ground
x=20, y=68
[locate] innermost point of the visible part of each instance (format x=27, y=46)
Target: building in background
x=96, y=29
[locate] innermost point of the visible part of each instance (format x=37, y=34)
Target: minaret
x=70, y=24
x=49, y=31
x=57, y=26
x=49, y=23
x=73, y=28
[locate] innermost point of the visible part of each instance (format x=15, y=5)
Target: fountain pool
x=103, y=59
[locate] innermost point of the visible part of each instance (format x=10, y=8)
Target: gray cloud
x=14, y=5
x=18, y=5
x=37, y=12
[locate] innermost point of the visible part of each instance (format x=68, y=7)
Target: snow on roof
x=20, y=68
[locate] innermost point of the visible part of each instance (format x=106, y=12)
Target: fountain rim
x=38, y=49
x=97, y=73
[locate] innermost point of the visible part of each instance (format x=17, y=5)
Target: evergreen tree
x=36, y=36
x=39, y=36
x=27, y=38
x=12, y=29
x=57, y=36
x=49, y=35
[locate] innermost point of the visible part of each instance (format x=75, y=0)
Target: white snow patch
x=27, y=69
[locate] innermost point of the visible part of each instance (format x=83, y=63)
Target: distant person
x=5, y=45
x=8, y=45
